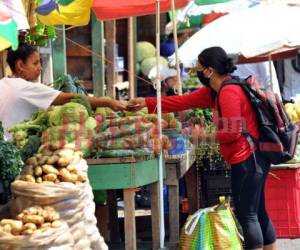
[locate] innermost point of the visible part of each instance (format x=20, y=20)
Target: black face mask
x=204, y=80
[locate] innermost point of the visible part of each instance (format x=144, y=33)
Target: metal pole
x=158, y=91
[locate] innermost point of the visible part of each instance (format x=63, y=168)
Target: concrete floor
x=288, y=244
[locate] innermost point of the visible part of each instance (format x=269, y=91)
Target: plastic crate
x=215, y=181
x=283, y=202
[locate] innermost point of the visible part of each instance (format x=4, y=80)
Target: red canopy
x=111, y=9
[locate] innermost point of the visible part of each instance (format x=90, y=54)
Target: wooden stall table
x=128, y=174
x=175, y=169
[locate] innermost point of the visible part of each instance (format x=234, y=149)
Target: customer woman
x=248, y=176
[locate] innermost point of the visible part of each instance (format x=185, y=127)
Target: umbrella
x=8, y=31
x=194, y=12
x=107, y=9
x=264, y=30
x=16, y=10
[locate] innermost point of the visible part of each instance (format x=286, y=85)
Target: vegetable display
x=54, y=165
x=10, y=160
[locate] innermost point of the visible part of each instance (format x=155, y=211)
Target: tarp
x=8, y=31
x=110, y=9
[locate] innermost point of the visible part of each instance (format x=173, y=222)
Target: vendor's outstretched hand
x=136, y=104
x=118, y=105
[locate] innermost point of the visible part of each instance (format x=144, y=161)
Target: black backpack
x=278, y=136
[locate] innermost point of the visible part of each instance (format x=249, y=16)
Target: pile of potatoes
x=53, y=165
x=31, y=220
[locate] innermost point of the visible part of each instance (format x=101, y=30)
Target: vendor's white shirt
x=20, y=98
x=262, y=73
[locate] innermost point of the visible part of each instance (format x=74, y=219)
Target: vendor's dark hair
x=217, y=58
x=23, y=52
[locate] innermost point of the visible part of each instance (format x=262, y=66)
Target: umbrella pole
x=158, y=91
x=179, y=84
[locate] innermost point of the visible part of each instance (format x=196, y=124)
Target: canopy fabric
x=110, y=9
x=8, y=31
x=75, y=13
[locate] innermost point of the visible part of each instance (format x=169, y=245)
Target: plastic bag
x=74, y=203
x=212, y=228
x=76, y=13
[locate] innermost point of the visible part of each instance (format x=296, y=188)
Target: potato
x=38, y=171
x=20, y=216
x=29, y=225
x=45, y=225
x=43, y=160
x=28, y=232
x=1, y=229
x=50, y=216
x=66, y=175
x=82, y=177
x=32, y=161
x=48, y=153
x=36, y=219
x=66, y=153
x=39, y=180
x=49, y=169
x=29, y=178
x=56, y=224
x=50, y=177
x=7, y=228
x=63, y=161
x=16, y=225
x=38, y=156
x=74, y=177
x=34, y=210
x=71, y=146
x=52, y=160
x=72, y=168
x=28, y=170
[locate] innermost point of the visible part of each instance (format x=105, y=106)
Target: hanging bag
x=212, y=228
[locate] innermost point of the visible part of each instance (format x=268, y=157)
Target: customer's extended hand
x=116, y=105
x=136, y=104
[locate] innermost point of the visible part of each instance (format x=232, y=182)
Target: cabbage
x=90, y=123
x=144, y=50
x=68, y=113
x=149, y=63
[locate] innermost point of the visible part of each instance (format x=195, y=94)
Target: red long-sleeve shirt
x=236, y=112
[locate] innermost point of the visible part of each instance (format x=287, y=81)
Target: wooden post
x=155, y=212
x=98, y=59
x=110, y=46
x=129, y=219
x=131, y=56
x=172, y=181
x=59, y=54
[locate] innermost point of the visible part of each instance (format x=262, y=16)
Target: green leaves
x=10, y=159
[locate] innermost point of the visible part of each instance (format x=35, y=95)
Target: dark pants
x=248, y=184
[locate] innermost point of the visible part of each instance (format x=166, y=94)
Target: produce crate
x=283, y=201
x=215, y=181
